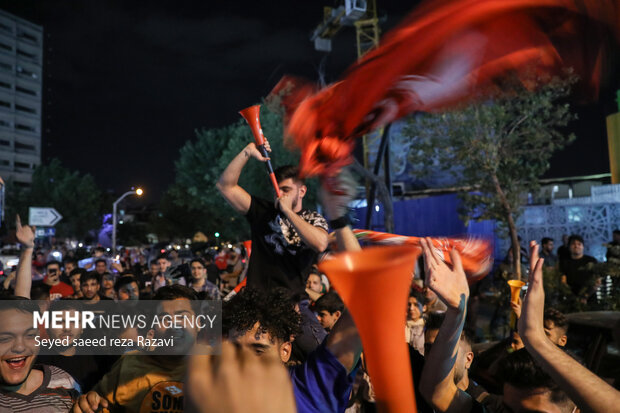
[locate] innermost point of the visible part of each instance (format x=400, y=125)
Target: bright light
x=80, y=245
x=139, y=191
x=108, y=249
x=217, y=235
x=377, y=208
x=229, y=245
x=120, y=222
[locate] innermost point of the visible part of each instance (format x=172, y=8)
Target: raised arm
x=343, y=341
x=586, y=389
x=25, y=236
x=228, y=184
x=437, y=382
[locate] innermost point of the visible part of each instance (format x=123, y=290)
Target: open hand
x=450, y=284
x=24, y=234
x=531, y=324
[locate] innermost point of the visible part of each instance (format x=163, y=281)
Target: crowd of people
x=289, y=342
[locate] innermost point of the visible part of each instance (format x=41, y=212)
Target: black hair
x=198, y=260
x=419, y=297
x=123, y=281
x=575, y=237
x=545, y=240
x=287, y=171
x=171, y=292
x=329, y=302
x=557, y=317
x=80, y=271
x=616, y=232
x=91, y=275
x=68, y=260
x=65, y=304
x=13, y=302
x=97, y=261
x=99, y=249
x=40, y=291
x=521, y=371
x=274, y=310
x=434, y=320
x=162, y=256
x=53, y=262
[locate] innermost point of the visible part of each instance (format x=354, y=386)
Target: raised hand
x=450, y=284
x=531, y=322
x=24, y=234
x=252, y=151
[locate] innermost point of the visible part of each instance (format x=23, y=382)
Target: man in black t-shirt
x=285, y=237
x=574, y=268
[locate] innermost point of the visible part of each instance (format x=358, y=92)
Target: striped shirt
x=56, y=394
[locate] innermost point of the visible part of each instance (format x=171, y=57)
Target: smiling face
x=17, y=346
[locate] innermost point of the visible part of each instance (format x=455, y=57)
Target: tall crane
x=361, y=14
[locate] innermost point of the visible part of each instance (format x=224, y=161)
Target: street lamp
x=137, y=192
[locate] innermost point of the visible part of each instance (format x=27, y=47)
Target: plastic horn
x=251, y=116
x=515, y=291
x=374, y=284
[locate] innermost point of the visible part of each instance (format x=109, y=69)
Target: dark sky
x=128, y=82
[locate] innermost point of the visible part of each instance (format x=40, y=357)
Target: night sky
x=127, y=82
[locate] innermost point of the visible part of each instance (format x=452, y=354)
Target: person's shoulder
x=58, y=378
x=590, y=258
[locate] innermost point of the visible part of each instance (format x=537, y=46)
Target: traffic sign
x=45, y=217
x=45, y=232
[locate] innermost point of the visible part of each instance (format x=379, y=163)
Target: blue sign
x=45, y=232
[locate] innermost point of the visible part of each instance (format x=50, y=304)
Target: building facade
x=21, y=90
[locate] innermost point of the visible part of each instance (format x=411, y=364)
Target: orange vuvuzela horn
x=515, y=292
x=251, y=116
x=374, y=284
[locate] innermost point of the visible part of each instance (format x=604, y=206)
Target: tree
x=202, y=161
x=75, y=196
x=498, y=149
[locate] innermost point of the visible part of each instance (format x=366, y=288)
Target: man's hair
x=521, y=371
x=69, y=260
x=53, y=262
x=40, y=291
x=575, y=237
x=546, y=240
x=65, y=304
x=99, y=249
x=162, y=256
x=172, y=292
x=123, y=281
x=198, y=260
x=329, y=302
x=616, y=232
x=559, y=319
x=434, y=320
x=91, y=275
x=288, y=171
x=273, y=310
x=97, y=261
x=80, y=271
x=13, y=302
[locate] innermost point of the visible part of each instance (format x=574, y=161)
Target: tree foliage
x=75, y=196
x=497, y=149
x=202, y=161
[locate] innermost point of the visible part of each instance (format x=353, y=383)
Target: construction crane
x=361, y=14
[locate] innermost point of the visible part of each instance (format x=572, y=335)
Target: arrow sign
x=45, y=217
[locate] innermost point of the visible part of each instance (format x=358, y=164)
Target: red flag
x=445, y=53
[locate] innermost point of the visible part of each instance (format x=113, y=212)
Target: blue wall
x=432, y=216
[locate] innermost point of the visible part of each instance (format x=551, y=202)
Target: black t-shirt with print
x=279, y=257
